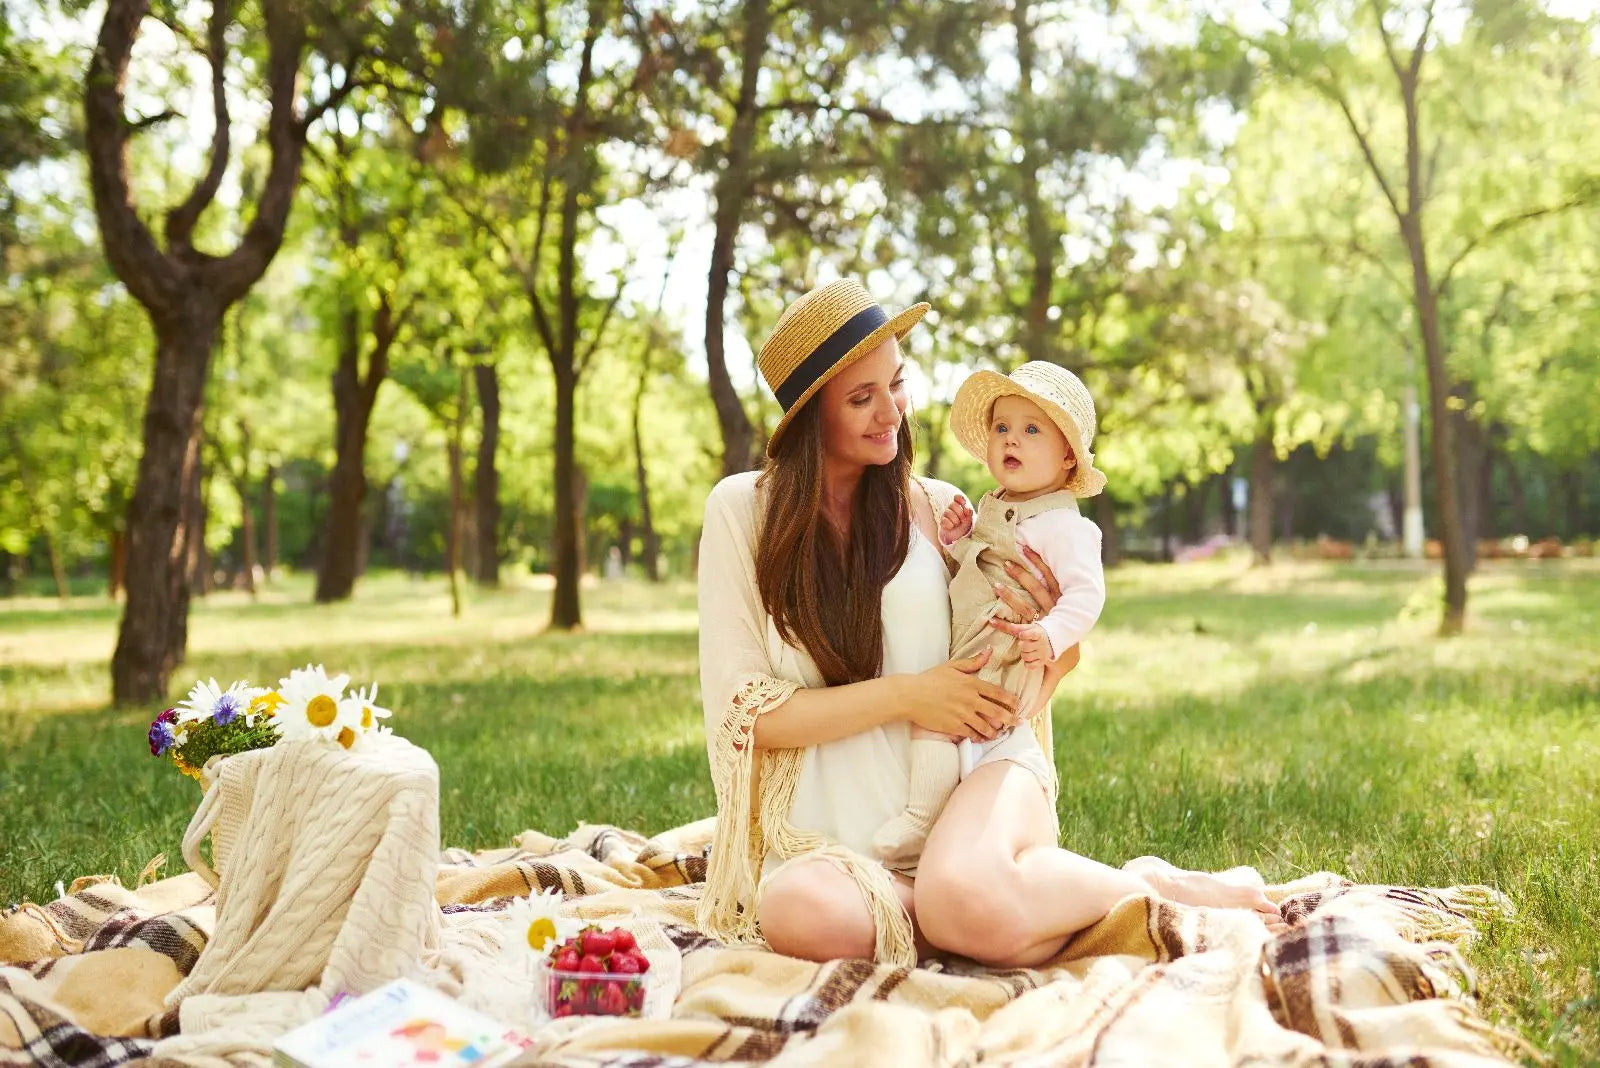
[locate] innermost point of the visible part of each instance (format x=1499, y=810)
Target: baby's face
x=1028, y=453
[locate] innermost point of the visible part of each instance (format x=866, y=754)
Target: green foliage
x=206, y=738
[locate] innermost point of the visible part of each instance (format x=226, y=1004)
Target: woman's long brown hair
x=826, y=596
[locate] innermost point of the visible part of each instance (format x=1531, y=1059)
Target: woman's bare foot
x=1236, y=888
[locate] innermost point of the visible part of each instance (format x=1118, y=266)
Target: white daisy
x=207, y=700
x=533, y=925
x=361, y=708
x=312, y=708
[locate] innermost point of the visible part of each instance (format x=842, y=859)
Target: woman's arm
x=949, y=699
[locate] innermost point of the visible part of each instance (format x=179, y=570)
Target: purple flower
x=161, y=737
x=169, y=716
x=228, y=708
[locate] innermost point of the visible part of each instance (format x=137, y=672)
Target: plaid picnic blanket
x=1368, y=975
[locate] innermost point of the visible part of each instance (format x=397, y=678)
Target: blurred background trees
x=474, y=288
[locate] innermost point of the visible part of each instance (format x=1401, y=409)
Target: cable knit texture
x=325, y=865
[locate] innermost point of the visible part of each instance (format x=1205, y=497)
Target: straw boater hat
x=1057, y=391
x=820, y=335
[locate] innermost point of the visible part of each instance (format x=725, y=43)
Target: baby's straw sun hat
x=818, y=336
x=1057, y=391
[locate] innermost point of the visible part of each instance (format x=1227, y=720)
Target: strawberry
x=636, y=996
x=567, y=960
x=624, y=939
x=591, y=963
x=612, y=1001
x=600, y=943
x=626, y=963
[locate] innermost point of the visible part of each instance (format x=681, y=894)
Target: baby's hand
x=1034, y=645
x=956, y=523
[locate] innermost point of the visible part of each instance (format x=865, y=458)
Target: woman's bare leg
x=993, y=885
x=814, y=911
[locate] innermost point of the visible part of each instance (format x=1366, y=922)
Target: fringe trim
x=1450, y=914
x=893, y=942
x=727, y=907
x=755, y=794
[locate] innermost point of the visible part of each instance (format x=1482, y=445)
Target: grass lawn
x=1300, y=718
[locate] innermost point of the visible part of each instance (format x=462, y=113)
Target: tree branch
x=182, y=219
x=285, y=27
x=1337, y=95
x=1507, y=224
x=145, y=123
x=599, y=333
x=881, y=116
x=1388, y=40
x=130, y=247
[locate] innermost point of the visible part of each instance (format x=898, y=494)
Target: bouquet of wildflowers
x=309, y=705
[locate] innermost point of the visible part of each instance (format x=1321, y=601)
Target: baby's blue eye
x=1032, y=429
x=999, y=428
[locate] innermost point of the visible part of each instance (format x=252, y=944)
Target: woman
x=824, y=635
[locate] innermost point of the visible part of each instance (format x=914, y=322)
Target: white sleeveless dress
x=849, y=787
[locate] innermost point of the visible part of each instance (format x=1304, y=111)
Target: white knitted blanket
x=324, y=864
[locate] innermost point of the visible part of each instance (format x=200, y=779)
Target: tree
x=371, y=199
x=187, y=290
x=1409, y=180
x=555, y=148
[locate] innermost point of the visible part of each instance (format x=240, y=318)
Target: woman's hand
x=951, y=699
x=1040, y=593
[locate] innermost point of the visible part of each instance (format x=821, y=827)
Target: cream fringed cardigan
x=747, y=669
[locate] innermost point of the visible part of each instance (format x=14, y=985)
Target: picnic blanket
x=1367, y=975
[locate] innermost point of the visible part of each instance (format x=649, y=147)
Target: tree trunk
x=1471, y=454
x=1105, y=516
x=58, y=570
x=1519, y=496
x=200, y=516
x=155, y=620
x=1263, y=467
x=1194, y=510
x=1230, y=514
x=247, y=535
x=453, y=449
x=1572, y=497
x=650, y=550
x=739, y=447
x=486, y=490
x=354, y=397
x=1425, y=300
x=269, y=519
x=1166, y=522
x=119, y=563
x=1042, y=242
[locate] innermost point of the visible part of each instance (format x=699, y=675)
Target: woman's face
x=862, y=408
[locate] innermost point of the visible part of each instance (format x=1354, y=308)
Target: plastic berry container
x=595, y=973
x=581, y=993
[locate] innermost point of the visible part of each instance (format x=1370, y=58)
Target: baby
x=1033, y=430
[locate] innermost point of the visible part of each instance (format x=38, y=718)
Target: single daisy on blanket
x=533, y=925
